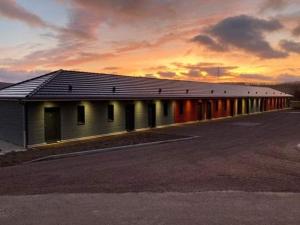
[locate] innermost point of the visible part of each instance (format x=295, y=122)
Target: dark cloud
x=11, y=10
x=245, y=33
x=218, y=71
x=212, y=69
x=208, y=42
x=290, y=46
x=192, y=73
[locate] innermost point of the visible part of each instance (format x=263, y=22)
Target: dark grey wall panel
x=11, y=122
x=96, y=118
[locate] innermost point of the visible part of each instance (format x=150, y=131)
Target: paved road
x=209, y=208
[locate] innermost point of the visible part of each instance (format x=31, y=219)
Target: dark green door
x=247, y=106
x=151, y=115
x=129, y=117
x=262, y=103
x=232, y=107
x=240, y=106
x=52, y=124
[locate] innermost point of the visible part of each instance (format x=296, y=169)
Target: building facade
x=69, y=105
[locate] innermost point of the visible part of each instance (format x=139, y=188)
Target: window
x=166, y=108
x=80, y=115
x=110, y=113
x=216, y=105
x=181, y=108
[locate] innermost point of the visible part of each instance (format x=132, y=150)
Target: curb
x=117, y=148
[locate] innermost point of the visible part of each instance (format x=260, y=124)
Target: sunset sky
x=213, y=41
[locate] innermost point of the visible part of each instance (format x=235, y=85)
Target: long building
x=69, y=105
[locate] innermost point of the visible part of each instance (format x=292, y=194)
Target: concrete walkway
x=6, y=147
x=209, y=208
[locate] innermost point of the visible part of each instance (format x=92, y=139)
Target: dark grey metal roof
x=67, y=85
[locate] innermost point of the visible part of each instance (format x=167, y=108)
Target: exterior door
x=262, y=105
x=240, y=106
x=247, y=106
x=52, y=124
x=129, y=117
x=208, y=112
x=151, y=115
x=200, y=110
x=232, y=107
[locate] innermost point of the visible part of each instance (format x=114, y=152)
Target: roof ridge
x=54, y=74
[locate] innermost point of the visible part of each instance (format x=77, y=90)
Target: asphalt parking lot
x=253, y=154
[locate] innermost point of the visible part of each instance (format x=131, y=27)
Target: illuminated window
x=80, y=115
x=110, y=112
